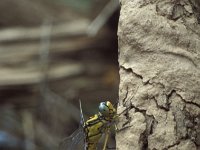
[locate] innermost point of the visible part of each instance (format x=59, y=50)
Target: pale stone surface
x=159, y=58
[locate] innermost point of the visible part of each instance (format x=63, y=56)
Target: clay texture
x=159, y=59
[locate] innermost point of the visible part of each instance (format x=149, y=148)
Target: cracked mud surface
x=159, y=58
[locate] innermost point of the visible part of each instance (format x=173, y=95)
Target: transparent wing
x=74, y=142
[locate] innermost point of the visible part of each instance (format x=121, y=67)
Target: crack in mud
x=130, y=70
x=151, y=122
x=187, y=102
x=170, y=146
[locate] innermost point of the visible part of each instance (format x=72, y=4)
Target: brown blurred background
x=53, y=53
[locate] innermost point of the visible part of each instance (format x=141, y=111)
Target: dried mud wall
x=159, y=58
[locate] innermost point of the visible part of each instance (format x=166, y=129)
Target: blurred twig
x=44, y=53
x=49, y=96
x=27, y=122
x=103, y=17
x=67, y=29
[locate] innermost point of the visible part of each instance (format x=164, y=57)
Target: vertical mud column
x=159, y=58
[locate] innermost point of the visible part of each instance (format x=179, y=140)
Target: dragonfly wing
x=74, y=141
x=81, y=114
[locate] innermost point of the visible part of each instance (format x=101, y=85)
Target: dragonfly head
x=107, y=110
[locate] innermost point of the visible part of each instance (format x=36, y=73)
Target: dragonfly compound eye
x=103, y=109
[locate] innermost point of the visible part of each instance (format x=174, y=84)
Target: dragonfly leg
x=106, y=138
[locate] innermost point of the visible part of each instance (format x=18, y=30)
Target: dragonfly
x=87, y=136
